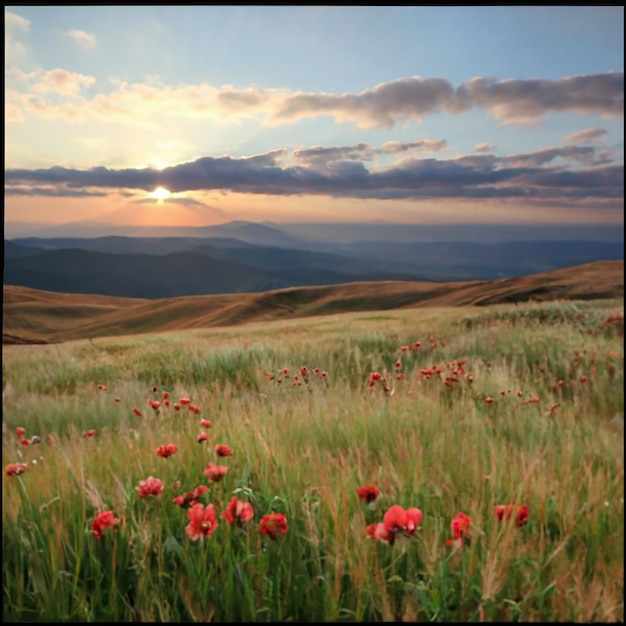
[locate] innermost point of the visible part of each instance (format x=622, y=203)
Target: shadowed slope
x=32, y=315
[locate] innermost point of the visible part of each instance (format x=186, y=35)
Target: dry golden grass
x=36, y=316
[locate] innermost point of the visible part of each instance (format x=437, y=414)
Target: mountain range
x=251, y=257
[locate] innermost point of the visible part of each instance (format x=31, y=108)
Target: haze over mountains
x=251, y=257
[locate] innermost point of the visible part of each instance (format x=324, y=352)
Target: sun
x=160, y=194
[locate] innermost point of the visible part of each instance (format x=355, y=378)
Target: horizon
x=196, y=116
x=331, y=231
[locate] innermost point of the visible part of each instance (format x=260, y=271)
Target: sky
x=198, y=115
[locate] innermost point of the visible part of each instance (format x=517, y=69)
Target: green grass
x=302, y=450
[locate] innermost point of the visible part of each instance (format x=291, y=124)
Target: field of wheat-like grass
x=457, y=464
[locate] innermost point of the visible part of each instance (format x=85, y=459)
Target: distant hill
x=14, y=250
x=32, y=315
x=162, y=276
x=123, y=245
x=274, y=266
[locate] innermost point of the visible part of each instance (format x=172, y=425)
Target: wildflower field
x=413, y=465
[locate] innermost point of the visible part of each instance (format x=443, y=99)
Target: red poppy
x=205, y=423
x=553, y=408
x=460, y=530
x=194, y=408
x=150, y=487
x=375, y=375
x=506, y=511
x=106, y=519
x=378, y=531
x=396, y=521
x=583, y=379
x=519, y=393
x=166, y=450
x=89, y=433
x=317, y=370
x=15, y=469
x=166, y=402
x=155, y=404
x=522, y=515
x=102, y=387
x=324, y=374
x=20, y=432
x=398, y=364
x=185, y=400
x=190, y=497
x=418, y=345
x=137, y=412
x=534, y=400
x=223, y=450
x=176, y=406
x=25, y=442
x=273, y=524
x=202, y=521
x=285, y=371
x=238, y=511
x=165, y=395
x=304, y=371
x=118, y=399
x=215, y=472
x=413, y=520
x=368, y=493
x=488, y=399
x=155, y=388
x=371, y=382
x=202, y=437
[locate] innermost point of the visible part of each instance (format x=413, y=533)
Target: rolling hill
x=36, y=316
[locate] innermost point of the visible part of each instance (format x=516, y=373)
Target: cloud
x=83, y=39
x=589, y=135
x=13, y=21
x=63, y=82
x=60, y=192
x=484, y=147
x=320, y=156
x=512, y=101
x=406, y=98
x=522, y=101
x=568, y=173
x=582, y=154
x=13, y=25
x=422, y=145
x=384, y=106
x=12, y=113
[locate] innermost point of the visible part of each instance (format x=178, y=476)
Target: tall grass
x=302, y=450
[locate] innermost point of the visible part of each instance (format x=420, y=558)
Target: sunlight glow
x=160, y=194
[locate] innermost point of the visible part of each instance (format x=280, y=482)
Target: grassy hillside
x=447, y=410
x=32, y=315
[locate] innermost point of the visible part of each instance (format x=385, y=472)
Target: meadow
x=444, y=410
